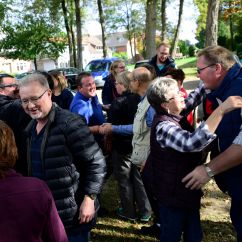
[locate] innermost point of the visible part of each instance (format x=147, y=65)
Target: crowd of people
x=57, y=148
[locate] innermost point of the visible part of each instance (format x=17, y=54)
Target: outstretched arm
x=229, y=158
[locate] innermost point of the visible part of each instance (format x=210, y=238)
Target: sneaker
x=153, y=230
x=145, y=218
x=121, y=215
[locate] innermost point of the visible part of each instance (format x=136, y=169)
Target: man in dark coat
x=162, y=61
x=62, y=151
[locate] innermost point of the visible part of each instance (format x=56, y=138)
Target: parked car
x=141, y=63
x=99, y=69
x=22, y=75
x=70, y=74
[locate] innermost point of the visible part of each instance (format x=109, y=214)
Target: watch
x=209, y=171
x=92, y=196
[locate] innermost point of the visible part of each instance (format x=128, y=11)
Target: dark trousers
x=131, y=188
x=177, y=221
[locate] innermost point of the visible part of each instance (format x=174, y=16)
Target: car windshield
x=96, y=66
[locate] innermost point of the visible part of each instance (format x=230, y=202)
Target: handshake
x=105, y=129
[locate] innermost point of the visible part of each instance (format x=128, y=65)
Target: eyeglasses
x=9, y=85
x=179, y=93
x=200, y=69
x=33, y=100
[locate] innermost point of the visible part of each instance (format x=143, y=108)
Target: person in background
x=122, y=112
x=174, y=152
x=162, y=60
x=27, y=208
x=179, y=76
x=86, y=103
x=12, y=113
x=109, y=91
x=62, y=151
x=60, y=93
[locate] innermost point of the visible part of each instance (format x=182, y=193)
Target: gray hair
x=159, y=91
x=35, y=77
x=124, y=78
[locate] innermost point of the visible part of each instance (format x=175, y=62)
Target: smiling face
x=175, y=103
x=88, y=88
x=36, y=100
x=162, y=54
x=9, y=87
x=209, y=73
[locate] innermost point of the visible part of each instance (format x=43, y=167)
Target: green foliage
x=121, y=55
x=239, y=50
x=184, y=47
x=191, y=50
x=34, y=34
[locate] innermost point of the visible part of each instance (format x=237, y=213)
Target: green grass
x=214, y=215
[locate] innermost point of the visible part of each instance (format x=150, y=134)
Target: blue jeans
x=82, y=237
x=175, y=221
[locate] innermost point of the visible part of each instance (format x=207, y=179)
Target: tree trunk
x=150, y=29
x=212, y=23
x=102, y=20
x=231, y=28
x=163, y=20
x=35, y=64
x=176, y=36
x=64, y=9
x=72, y=33
x=78, y=34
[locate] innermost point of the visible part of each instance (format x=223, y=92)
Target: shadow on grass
x=218, y=231
x=188, y=63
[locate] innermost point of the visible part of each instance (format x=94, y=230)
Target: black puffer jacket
x=12, y=113
x=72, y=161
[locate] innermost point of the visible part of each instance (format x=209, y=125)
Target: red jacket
x=27, y=211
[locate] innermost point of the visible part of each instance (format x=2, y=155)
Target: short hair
x=8, y=149
x=151, y=69
x=177, y=74
x=114, y=65
x=80, y=76
x=62, y=83
x=48, y=77
x=124, y=78
x=218, y=54
x=35, y=77
x=142, y=74
x=164, y=43
x=158, y=92
x=3, y=76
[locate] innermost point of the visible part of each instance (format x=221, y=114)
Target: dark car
x=70, y=74
x=141, y=63
x=99, y=69
x=22, y=75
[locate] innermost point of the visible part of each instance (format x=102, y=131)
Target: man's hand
x=105, y=128
x=197, y=178
x=87, y=210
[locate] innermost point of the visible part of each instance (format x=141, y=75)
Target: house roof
x=94, y=40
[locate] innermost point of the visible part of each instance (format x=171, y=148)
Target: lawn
x=187, y=64
x=214, y=214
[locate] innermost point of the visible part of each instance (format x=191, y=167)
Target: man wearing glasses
x=162, y=60
x=62, y=152
x=12, y=113
x=220, y=73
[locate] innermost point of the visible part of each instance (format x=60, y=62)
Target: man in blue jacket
x=221, y=74
x=162, y=60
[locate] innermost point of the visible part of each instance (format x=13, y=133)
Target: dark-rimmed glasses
x=33, y=100
x=200, y=69
x=8, y=85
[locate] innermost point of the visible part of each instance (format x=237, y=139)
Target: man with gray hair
x=62, y=152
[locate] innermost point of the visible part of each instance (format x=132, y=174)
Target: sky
x=188, y=25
